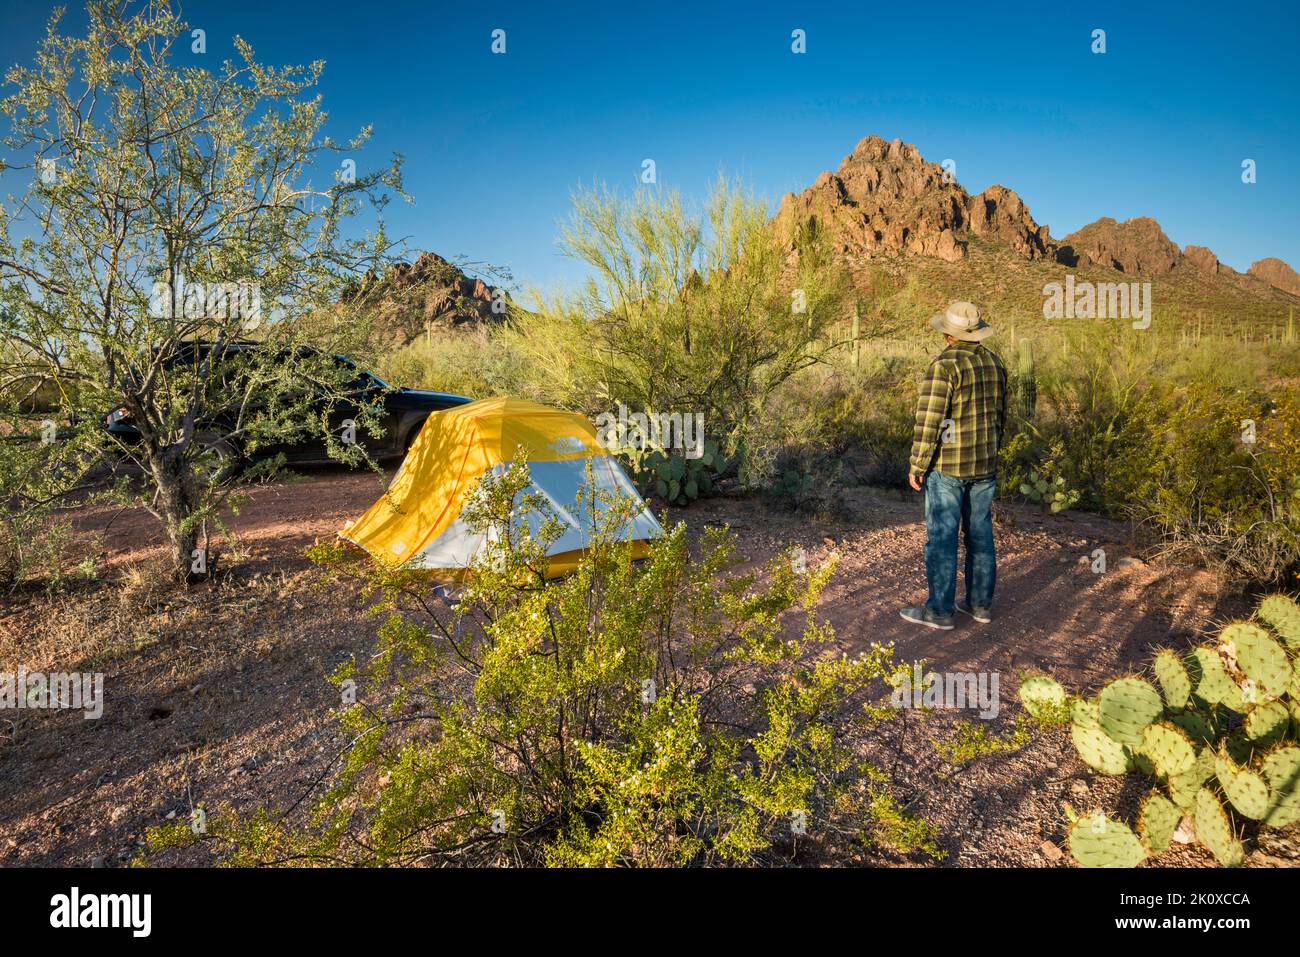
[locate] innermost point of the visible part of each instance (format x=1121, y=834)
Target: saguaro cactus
x=856, y=330
x=1028, y=381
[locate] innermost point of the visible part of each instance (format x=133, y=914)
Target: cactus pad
x=1214, y=828
x=1194, y=724
x=1168, y=749
x=1043, y=697
x=1126, y=706
x=1183, y=788
x=1213, y=685
x=1100, y=841
x=1281, y=769
x=1175, y=682
x=1283, y=616
x=1247, y=791
x=1157, y=821
x=1097, y=749
x=1266, y=724
x=1259, y=656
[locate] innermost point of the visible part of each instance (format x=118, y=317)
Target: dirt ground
x=222, y=698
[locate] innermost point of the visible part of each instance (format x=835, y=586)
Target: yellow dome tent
x=417, y=524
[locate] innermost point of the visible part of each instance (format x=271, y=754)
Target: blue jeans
x=968, y=503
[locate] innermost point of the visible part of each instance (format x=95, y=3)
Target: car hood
x=432, y=399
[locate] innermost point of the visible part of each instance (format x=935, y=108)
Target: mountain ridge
x=886, y=206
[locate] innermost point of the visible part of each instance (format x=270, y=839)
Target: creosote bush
x=671, y=711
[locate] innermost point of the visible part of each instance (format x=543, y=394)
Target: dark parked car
x=403, y=413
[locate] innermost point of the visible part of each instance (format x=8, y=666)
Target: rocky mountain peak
x=885, y=199
x=1135, y=246
x=411, y=296
x=1277, y=274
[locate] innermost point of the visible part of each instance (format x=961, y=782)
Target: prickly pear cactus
x=1266, y=724
x=1213, y=683
x=674, y=475
x=1218, y=738
x=1168, y=749
x=1283, y=616
x=1126, y=706
x=1052, y=495
x=1043, y=697
x=1097, y=749
x=1215, y=831
x=1246, y=790
x=1281, y=769
x=1175, y=682
x=1157, y=821
x=1259, y=657
x=1100, y=841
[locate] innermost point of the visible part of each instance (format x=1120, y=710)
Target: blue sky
x=494, y=144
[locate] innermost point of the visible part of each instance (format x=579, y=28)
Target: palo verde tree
x=176, y=253
x=692, y=311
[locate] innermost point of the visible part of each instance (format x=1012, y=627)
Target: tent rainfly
x=418, y=525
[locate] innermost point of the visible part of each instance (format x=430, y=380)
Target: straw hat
x=962, y=320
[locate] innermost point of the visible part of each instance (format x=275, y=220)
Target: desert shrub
x=467, y=360
x=836, y=424
x=1218, y=736
x=1133, y=427
x=806, y=479
x=40, y=464
x=669, y=712
x=33, y=548
x=685, y=312
x=1218, y=479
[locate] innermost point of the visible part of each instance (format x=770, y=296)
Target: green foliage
x=696, y=312
x=477, y=361
x=1051, y=494
x=1190, y=747
x=674, y=475
x=804, y=480
x=39, y=462
x=658, y=713
x=177, y=205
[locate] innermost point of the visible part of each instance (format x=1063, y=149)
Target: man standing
x=960, y=417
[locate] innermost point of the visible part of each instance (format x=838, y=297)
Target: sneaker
x=982, y=615
x=923, y=616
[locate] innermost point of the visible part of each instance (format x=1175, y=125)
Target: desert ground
x=217, y=697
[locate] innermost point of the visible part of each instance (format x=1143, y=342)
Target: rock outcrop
x=1136, y=246
x=1000, y=214
x=886, y=200
x=411, y=296
x=1199, y=257
x=1277, y=274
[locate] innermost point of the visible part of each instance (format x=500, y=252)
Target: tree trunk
x=177, y=504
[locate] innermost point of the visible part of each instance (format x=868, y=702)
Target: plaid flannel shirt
x=967, y=384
